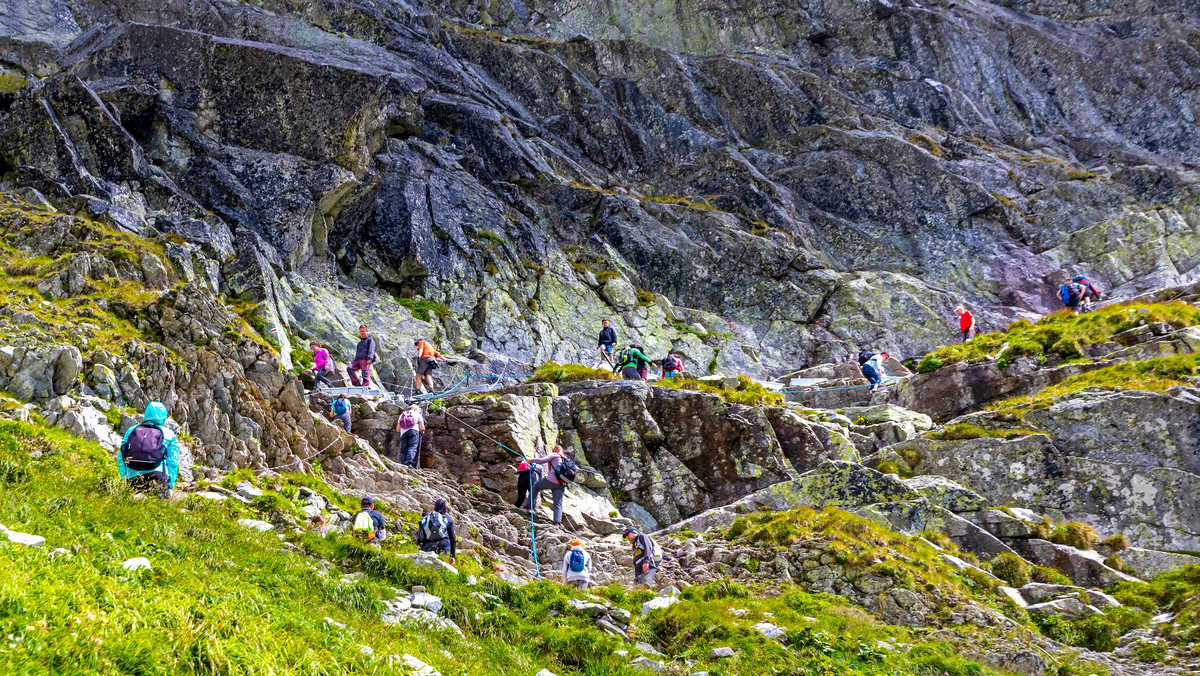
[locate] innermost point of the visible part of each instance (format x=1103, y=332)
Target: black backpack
x=143, y=449
x=669, y=363
x=566, y=470
x=435, y=526
x=864, y=357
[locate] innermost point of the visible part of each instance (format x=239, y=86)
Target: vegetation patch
x=1151, y=375
x=424, y=310
x=553, y=372
x=959, y=431
x=747, y=392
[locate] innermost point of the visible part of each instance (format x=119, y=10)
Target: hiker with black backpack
x=527, y=475
x=560, y=471
x=577, y=566
x=672, y=366
x=632, y=363
x=435, y=532
x=368, y=524
x=872, y=367
x=1070, y=293
x=410, y=426
x=339, y=409
x=150, y=453
x=647, y=557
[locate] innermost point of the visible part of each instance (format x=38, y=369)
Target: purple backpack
x=144, y=450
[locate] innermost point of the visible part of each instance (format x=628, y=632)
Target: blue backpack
x=1068, y=294
x=577, y=561
x=340, y=406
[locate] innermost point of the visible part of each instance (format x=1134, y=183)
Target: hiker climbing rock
x=364, y=356
x=577, y=566
x=527, y=475
x=411, y=427
x=872, y=367
x=1088, y=292
x=560, y=472
x=647, y=557
x=435, y=533
x=322, y=365
x=672, y=366
x=1070, y=294
x=966, y=323
x=427, y=361
x=369, y=525
x=632, y=363
x=339, y=409
x=150, y=453
x=607, y=344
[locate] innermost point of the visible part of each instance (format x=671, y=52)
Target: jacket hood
x=577, y=548
x=156, y=413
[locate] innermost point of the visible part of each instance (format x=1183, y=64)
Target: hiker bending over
x=527, y=475
x=411, y=427
x=322, y=365
x=435, y=533
x=150, y=453
x=672, y=366
x=872, y=367
x=966, y=323
x=560, y=471
x=369, y=525
x=1070, y=293
x=364, y=356
x=607, y=344
x=339, y=409
x=647, y=557
x=427, y=357
x=632, y=363
x=577, y=566
x=1088, y=293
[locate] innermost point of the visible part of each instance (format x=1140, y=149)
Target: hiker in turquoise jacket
x=167, y=472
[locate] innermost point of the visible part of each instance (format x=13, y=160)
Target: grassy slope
x=224, y=600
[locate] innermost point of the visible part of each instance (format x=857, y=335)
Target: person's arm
x=421, y=425
x=566, y=557
x=371, y=344
x=542, y=461
x=122, y=470
x=453, y=539
x=647, y=552
x=172, y=461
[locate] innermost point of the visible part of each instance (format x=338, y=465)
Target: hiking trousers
x=524, y=486
x=410, y=441
x=320, y=378
x=363, y=365
x=556, y=490
x=436, y=546
x=871, y=375
x=344, y=419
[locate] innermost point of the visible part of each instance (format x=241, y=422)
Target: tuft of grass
x=553, y=372
x=968, y=431
x=490, y=238
x=1014, y=570
x=1115, y=543
x=1081, y=175
x=747, y=392
x=424, y=310
x=1151, y=375
x=1074, y=534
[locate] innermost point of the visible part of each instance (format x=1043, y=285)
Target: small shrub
x=424, y=310
x=1012, y=569
x=1049, y=576
x=1115, y=563
x=644, y=297
x=553, y=372
x=929, y=363
x=1115, y=543
x=1074, y=534
x=607, y=275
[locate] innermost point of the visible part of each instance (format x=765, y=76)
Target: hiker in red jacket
x=966, y=323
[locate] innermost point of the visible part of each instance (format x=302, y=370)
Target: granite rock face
x=757, y=189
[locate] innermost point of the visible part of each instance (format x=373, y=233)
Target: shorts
x=670, y=374
x=426, y=365
x=646, y=578
x=608, y=348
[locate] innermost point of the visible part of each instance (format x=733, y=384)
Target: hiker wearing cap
x=647, y=557
x=149, y=453
x=322, y=365
x=577, y=566
x=560, y=471
x=411, y=426
x=427, y=361
x=364, y=356
x=369, y=525
x=966, y=323
x=528, y=474
x=435, y=533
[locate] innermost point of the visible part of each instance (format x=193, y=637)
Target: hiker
x=322, y=365
x=966, y=323
x=560, y=471
x=577, y=566
x=607, y=344
x=1089, y=293
x=1069, y=293
x=318, y=525
x=527, y=475
x=427, y=357
x=369, y=525
x=672, y=366
x=150, y=453
x=647, y=557
x=631, y=363
x=339, y=409
x=435, y=533
x=411, y=427
x=872, y=367
x=364, y=356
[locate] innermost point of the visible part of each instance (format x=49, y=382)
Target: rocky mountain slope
x=758, y=187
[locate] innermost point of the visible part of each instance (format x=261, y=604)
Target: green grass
x=1063, y=334
x=424, y=310
x=959, y=431
x=553, y=372
x=1151, y=375
x=1074, y=534
x=747, y=392
x=10, y=83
